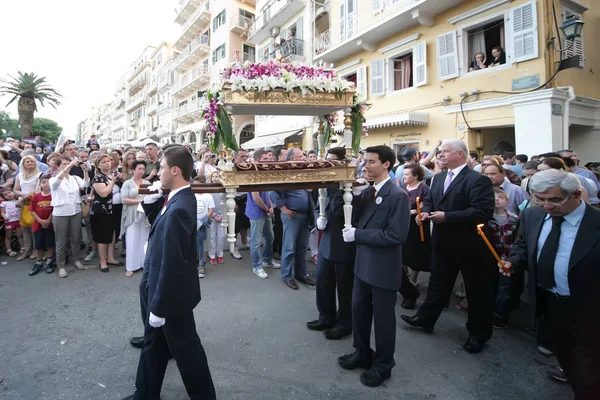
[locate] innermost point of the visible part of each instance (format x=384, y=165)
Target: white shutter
x=361, y=81
x=524, y=26
x=351, y=19
x=376, y=6
x=574, y=48
x=377, y=77
x=342, y=21
x=420, y=64
x=447, y=56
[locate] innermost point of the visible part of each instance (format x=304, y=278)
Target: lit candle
x=489, y=245
x=419, y=215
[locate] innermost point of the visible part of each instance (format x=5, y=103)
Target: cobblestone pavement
x=68, y=339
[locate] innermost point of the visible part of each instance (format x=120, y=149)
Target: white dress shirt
x=171, y=194
x=456, y=171
x=380, y=185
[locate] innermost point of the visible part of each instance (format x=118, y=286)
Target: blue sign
x=527, y=82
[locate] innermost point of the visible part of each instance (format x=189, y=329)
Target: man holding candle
x=458, y=201
x=559, y=244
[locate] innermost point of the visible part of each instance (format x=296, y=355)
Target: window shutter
x=299, y=43
x=447, y=56
x=377, y=77
x=361, y=81
x=351, y=19
x=420, y=64
x=524, y=26
x=342, y=21
x=376, y=6
x=575, y=48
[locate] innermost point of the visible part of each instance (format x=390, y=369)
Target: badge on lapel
x=378, y=200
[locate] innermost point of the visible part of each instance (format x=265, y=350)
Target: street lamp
x=572, y=27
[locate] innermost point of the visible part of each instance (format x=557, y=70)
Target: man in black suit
x=458, y=201
x=559, y=244
x=172, y=290
x=335, y=267
x=383, y=212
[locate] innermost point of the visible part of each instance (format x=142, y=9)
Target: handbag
x=26, y=217
x=85, y=209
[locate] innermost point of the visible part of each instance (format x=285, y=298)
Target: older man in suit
x=335, y=267
x=458, y=201
x=383, y=212
x=171, y=290
x=559, y=244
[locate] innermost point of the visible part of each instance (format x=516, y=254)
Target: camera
x=119, y=169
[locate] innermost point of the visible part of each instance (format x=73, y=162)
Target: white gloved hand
x=349, y=234
x=357, y=190
x=145, y=247
x=321, y=223
x=153, y=198
x=156, y=322
x=4, y=167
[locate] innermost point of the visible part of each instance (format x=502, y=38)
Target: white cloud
x=82, y=47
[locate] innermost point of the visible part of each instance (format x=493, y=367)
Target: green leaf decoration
x=326, y=132
x=357, y=123
x=227, y=138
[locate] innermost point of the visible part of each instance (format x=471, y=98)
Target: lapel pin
x=378, y=201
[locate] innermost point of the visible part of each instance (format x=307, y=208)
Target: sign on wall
x=526, y=82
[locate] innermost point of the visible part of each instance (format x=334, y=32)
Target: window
x=219, y=20
x=403, y=70
x=247, y=134
x=359, y=78
x=401, y=76
x=348, y=19
x=485, y=45
x=218, y=53
x=576, y=47
x=246, y=13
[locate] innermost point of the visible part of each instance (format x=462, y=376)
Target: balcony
x=137, y=86
x=240, y=25
x=186, y=8
x=292, y=49
x=151, y=108
x=196, y=24
x=153, y=88
x=133, y=104
x=134, y=122
x=192, y=81
x=320, y=8
x=275, y=14
x=192, y=53
x=162, y=107
x=165, y=81
x=188, y=112
x=250, y=57
x=396, y=18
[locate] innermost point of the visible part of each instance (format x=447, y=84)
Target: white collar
x=174, y=192
x=380, y=184
x=457, y=170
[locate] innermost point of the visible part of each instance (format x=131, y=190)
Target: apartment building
x=213, y=34
x=415, y=61
x=118, y=114
x=138, y=88
x=159, y=95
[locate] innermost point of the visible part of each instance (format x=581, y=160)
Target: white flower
x=328, y=85
x=246, y=64
x=237, y=83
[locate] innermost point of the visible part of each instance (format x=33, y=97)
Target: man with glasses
x=559, y=244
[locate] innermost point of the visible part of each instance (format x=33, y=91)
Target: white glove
x=145, y=247
x=349, y=234
x=4, y=167
x=321, y=223
x=153, y=198
x=357, y=190
x=156, y=322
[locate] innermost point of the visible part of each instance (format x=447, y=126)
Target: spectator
x=514, y=192
x=92, y=142
x=25, y=187
x=43, y=230
x=478, y=63
x=6, y=179
x=586, y=173
x=66, y=214
x=11, y=213
x=559, y=164
x=498, y=57
x=14, y=153
x=128, y=159
x=205, y=208
x=140, y=156
x=153, y=163
x=215, y=252
x=117, y=204
x=312, y=156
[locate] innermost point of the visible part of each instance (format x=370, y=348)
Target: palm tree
x=29, y=89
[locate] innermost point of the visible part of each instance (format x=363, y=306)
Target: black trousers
x=576, y=349
x=277, y=232
x=331, y=275
x=370, y=305
x=480, y=275
x=407, y=289
x=177, y=337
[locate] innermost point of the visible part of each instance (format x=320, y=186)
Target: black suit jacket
x=172, y=283
x=584, y=265
x=332, y=245
x=381, y=232
x=469, y=201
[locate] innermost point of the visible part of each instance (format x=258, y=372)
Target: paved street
x=68, y=339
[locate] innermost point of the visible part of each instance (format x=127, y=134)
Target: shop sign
x=526, y=82
x=404, y=135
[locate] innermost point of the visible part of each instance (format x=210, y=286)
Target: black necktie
x=545, y=264
x=373, y=193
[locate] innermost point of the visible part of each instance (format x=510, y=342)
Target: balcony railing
x=323, y=42
x=191, y=76
x=250, y=57
x=202, y=40
x=274, y=14
x=163, y=107
x=203, y=8
x=188, y=108
x=241, y=23
x=292, y=47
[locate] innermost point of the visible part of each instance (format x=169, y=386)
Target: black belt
x=557, y=296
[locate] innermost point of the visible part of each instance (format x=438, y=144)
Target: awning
x=413, y=118
x=194, y=127
x=275, y=139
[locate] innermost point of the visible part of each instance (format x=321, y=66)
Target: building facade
x=413, y=60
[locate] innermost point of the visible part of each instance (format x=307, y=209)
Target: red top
x=40, y=205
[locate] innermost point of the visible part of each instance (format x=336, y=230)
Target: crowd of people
x=412, y=212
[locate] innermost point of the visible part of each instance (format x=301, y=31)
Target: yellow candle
x=419, y=214
x=489, y=245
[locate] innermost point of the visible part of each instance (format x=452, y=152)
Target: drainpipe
x=566, y=115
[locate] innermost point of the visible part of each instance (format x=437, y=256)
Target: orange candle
x=419, y=214
x=489, y=245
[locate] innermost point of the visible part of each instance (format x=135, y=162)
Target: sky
x=81, y=47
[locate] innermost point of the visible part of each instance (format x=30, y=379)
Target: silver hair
x=82, y=150
x=457, y=145
x=543, y=181
x=291, y=153
x=95, y=153
x=28, y=152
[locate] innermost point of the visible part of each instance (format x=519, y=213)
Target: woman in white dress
x=133, y=222
x=25, y=187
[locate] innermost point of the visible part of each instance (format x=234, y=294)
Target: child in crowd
x=504, y=231
x=43, y=231
x=205, y=207
x=140, y=156
x=216, y=227
x=11, y=213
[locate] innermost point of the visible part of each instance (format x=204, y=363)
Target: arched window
x=193, y=140
x=247, y=134
x=181, y=139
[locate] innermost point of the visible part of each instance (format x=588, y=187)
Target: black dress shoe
x=373, y=378
x=353, y=361
x=337, y=333
x=417, y=323
x=473, y=345
x=317, y=325
x=292, y=284
x=408, y=304
x=49, y=268
x=137, y=342
x=36, y=268
x=307, y=280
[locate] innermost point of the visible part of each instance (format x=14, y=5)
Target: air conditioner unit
x=274, y=31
